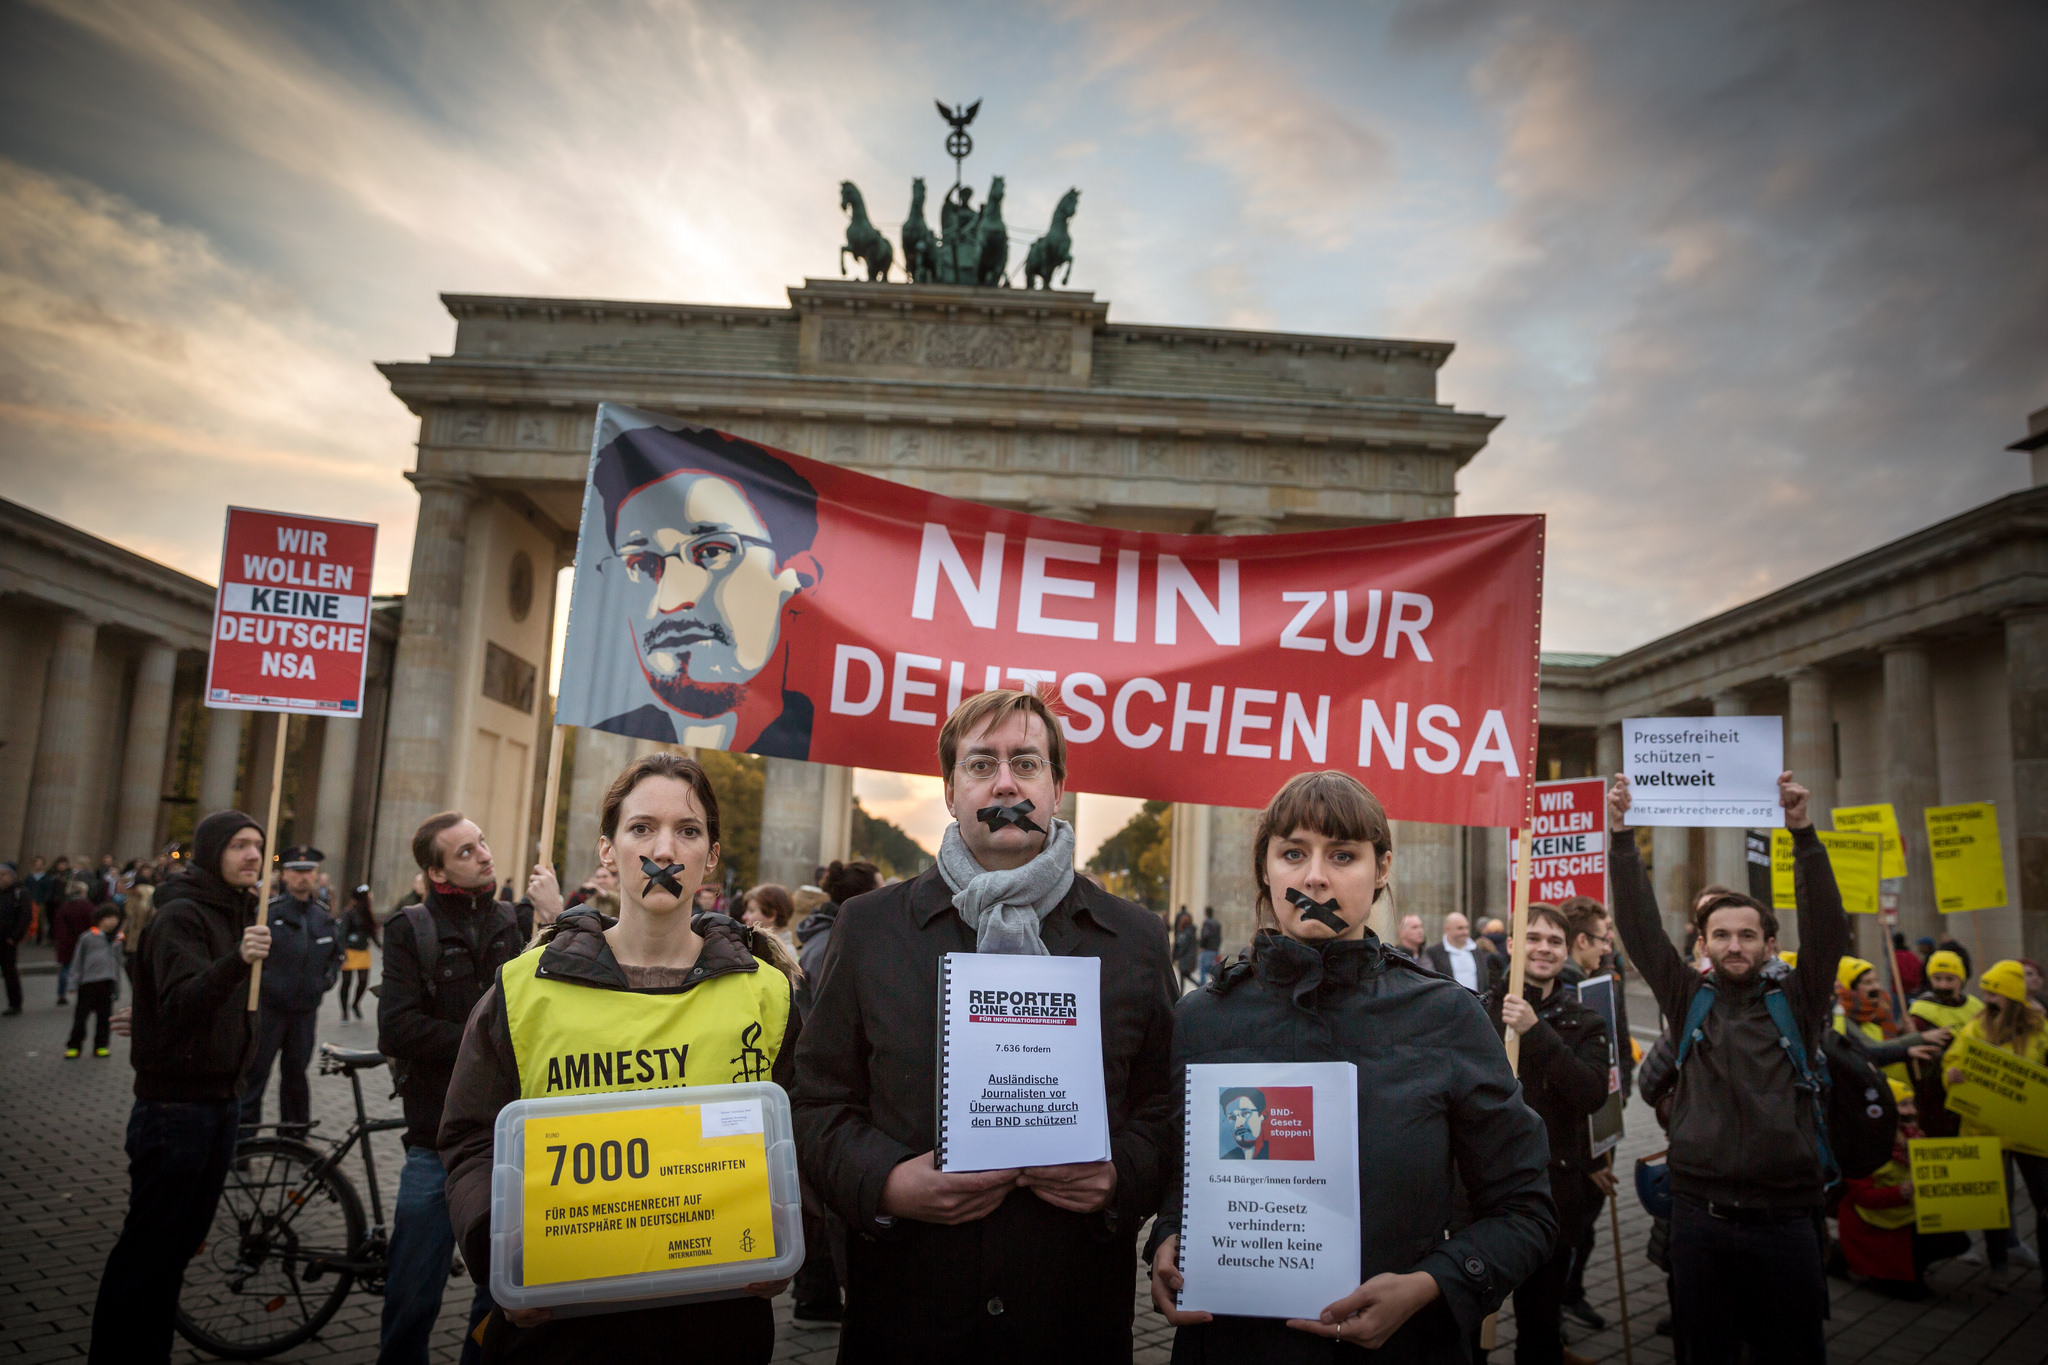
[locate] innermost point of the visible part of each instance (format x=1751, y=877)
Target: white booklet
x=1020, y=1062
x=1269, y=1204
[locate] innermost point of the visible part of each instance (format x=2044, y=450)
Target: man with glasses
x=709, y=539
x=987, y=1265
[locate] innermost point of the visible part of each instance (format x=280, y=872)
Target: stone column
x=1912, y=779
x=221, y=768
x=600, y=755
x=272, y=729
x=2026, y=686
x=57, y=782
x=1727, y=862
x=142, y=761
x=792, y=816
x=1671, y=877
x=338, y=741
x=1810, y=740
x=416, y=781
x=1426, y=867
x=835, y=823
x=1607, y=752
x=1188, y=879
x=1231, y=887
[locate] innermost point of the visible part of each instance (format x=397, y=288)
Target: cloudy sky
x=1756, y=285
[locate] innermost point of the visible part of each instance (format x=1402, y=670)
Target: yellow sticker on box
x=628, y=1191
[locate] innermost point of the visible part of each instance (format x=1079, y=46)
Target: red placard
x=1571, y=841
x=291, y=622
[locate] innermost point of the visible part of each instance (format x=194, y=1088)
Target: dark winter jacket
x=1210, y=936
x=1564, y=1079
x=193, y=1031
x=305, y=956
x=1436, y=1104
x=813, y=941
x=486, y=1079
x=17, y=911
x=73, y=920
x=1741, y=1134
x=419, y=1021
x=1030, y=1282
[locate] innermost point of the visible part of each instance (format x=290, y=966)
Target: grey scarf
x=1006, y=908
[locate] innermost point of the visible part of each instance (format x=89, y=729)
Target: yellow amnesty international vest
x=573, y=1039
x=1946, y=1016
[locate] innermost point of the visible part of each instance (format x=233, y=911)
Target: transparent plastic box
x=650, y=1288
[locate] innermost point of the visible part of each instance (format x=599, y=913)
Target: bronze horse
x=1053, y=250
x=920, y=248
x=863, y=240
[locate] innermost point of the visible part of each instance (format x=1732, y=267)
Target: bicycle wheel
x=263, y=1281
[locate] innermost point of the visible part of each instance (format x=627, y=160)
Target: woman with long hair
x=1435, y=1097
x=358, y=932
x=2015, y=1023
x=700, y=987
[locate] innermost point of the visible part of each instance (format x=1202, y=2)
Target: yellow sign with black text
x=627, y=1191
x=1958, y=1184
x=1969, y=862
x=2003, y=1092
x=1881, y=820
x=1855, y=857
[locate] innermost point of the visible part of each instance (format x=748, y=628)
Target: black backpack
x=1855, y=1118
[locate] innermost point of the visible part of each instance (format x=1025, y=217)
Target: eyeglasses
x=713, y=553
x=982, y=767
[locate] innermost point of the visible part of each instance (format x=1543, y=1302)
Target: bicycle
x=288, y=1241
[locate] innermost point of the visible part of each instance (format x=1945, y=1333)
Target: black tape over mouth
x=1000, y=818
x=1323, y=912
x=663, y=877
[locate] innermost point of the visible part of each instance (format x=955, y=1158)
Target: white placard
x=1269, y=1211
x=1704, y=771
x=1020, y=1062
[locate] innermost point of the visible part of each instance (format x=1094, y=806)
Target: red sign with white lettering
x=1571, y=841
x=291, y=622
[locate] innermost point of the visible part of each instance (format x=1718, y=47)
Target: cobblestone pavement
x=64, y=1185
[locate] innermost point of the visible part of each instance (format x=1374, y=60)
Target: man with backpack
x=1750, y=1159
x=440, y=956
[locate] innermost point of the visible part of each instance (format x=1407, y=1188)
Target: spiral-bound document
x=1269, y=1204
x=1020, y=1062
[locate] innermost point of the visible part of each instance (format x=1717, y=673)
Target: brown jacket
x=486, y=1079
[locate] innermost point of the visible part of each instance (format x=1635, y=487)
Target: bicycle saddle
x=350, y=1058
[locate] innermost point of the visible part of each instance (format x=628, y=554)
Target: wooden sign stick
x=269, y=853
x=1519, y=923
x=550, y=799
x=1628, y=1346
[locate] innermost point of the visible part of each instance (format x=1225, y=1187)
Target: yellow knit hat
x=2006, y=978
x=1946, y=961
x=1790, y=959
x=1850, y=969
x=1901, y=1091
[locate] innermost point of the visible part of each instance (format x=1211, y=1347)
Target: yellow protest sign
x=1857, y=861
x=1958, y=1184
x=1969, y=863
x=1882, y=821
x=630, y=1190
x=2003, y=1092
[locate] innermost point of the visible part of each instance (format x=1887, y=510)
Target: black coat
x=1436, y=1105
x=420, y=1022
x=305, y=956
x=1030, y=1282
x=16, y=912
x=1564, y=1079
x=193, y=1031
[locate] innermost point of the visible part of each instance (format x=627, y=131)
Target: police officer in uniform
x=304, y=962
x=681, y=997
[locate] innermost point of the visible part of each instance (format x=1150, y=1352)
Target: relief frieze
x=944, y=345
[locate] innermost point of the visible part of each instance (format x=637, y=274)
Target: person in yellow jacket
x=2013, y=1022
x=1861, y=1000
x=1946, y=1004
x=662, y=996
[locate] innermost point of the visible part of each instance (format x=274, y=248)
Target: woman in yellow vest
x=2014, y=1023
x=1862, y=1001
x=661, y=996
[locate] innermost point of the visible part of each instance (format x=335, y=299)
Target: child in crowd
x=96, y=977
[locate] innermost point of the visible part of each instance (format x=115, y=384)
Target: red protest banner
x=732, y=596
x=1571, y=841
x=291, y=622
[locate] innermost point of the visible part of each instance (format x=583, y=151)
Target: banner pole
x=1628, y=1347
x=550, y=799
x=1518, y=923
x=269, y=852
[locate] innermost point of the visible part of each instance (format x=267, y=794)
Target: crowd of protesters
x=1756, y=1201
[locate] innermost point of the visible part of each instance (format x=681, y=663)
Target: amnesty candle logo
x=1276, y=1123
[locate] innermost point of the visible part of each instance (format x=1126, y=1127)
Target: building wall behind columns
x=1973, y=716
x=600, y=755
x=792, y=820
x=27, y=637
x=2025, y=823
x=1427, y=862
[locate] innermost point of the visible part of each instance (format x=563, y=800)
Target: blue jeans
x=63, y=981
x=416, y=1272
x=1205, y=966
x=178, y=1157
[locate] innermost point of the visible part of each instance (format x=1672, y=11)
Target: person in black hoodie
x=1564, y=1079
x=192, y=1039
x=17, y=913
x=440, y=956
x=1436, y=1103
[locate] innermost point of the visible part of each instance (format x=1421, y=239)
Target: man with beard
x=1748, y=1176
x=710, y=538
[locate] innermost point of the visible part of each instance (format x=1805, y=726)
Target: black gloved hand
x=1323, y=912
x=663, y=877
x=999, y=818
